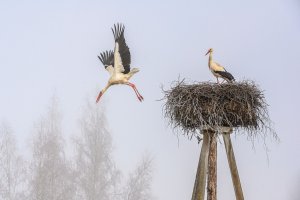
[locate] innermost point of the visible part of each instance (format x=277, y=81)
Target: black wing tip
x=231, y=80
x=226, y=75
x=118, y=30
x=106, y=58
x=229, y=76
x=118, y=25
x=100, y=59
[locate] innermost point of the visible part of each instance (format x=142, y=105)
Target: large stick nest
x=207, y=105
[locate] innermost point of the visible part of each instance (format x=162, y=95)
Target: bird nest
x=206, y=105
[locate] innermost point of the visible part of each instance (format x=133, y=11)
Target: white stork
x=217, y=70
x=117, y=63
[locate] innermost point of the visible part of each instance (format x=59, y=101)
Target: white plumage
x=117, y=63
x=217, y=70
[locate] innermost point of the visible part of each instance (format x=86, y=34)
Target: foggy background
x=50, y=49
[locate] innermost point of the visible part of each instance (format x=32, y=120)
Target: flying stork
x=217, y=70
x=117, y=63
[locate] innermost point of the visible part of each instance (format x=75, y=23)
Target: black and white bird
x=117, y=63
x=217, y=70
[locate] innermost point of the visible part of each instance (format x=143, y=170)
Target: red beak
x=207, y=52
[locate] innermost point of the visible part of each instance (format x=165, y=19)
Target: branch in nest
x=203, y=105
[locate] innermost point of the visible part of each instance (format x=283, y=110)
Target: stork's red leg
x=102, y=92
x=137, y=91
x=142, y=98
x=139, y=96
x=99, y=96
x=131, y=85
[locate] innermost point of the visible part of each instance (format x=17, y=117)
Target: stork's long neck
x=210, y=59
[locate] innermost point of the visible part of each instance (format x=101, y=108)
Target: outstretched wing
x=122, y=57
x=107, y=59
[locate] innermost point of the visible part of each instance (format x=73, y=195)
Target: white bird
x=217, y=70
x=117, y=63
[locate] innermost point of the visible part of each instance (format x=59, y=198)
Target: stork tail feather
x=134, y=70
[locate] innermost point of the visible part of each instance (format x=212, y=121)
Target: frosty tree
x=12, y=170
x=97, y=177
x=50, y=177
x=96, y=173
x=138, y=186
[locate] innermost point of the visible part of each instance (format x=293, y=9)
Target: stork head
x=209, y=51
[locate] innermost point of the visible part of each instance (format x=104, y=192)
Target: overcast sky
x=51, y=47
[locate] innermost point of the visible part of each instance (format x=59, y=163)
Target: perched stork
x=117, y=63
x=218, y=70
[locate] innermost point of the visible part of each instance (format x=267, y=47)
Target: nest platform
x=205, y=105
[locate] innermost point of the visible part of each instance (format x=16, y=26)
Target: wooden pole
x=233, y=167
x=212, y=168
x=200, y=181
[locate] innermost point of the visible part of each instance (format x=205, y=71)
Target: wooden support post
x=212, y=168
x=200, y=181
x=233, y=168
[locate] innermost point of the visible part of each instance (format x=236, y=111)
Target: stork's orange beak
x=207, y=52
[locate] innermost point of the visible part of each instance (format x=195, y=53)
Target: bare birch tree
x=138, y=186
x=12, y=169
x=96, y=173
x=51, y=177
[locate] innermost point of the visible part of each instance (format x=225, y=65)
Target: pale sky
x=51, y=47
